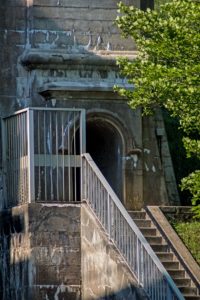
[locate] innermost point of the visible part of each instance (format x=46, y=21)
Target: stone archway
x=105, y=145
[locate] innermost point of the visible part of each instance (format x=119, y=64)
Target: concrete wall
x=40, y=254
x=105, y=274
x=68, y=24
x=50, y=46
x=60, y=252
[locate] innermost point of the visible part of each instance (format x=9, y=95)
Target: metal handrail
x=124, y=233
x=41, y=155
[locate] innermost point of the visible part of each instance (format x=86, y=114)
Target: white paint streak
x=146, y=167
x=5, y=34
x=153, y=169
x=147, y=151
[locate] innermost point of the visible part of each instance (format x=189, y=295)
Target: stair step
x=159, y=247
x=142, y=223
x=137, y=214
x=175, y=274
x=182, y=281
x=148, y=231
x=188, y=290
x=191, y=297
x=154, y=240
x=171, y=265
x=165, y=256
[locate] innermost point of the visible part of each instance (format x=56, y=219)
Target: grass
x=189, y=232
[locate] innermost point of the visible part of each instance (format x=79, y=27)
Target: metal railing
x=41, y=155
x=123, y=232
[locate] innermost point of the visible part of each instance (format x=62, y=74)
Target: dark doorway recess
x=104, y=144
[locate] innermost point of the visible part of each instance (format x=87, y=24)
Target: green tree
x=166, y=70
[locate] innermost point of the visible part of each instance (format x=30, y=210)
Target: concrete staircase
x=166, y=256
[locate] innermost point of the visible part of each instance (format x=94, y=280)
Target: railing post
x=82, y=132
x=31, y=167
x=138, y=259
x=83, y=150
x=108, y=215
x=4, y=162
x=83, y=178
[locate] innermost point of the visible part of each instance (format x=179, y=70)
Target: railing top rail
x=43, y=109
x=133, y=225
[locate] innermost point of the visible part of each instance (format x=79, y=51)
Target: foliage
x=166, y=71
x=158, y=3
x=189, y=232
x=192, y=182
x=182, y=165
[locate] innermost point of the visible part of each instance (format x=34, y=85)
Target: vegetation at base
x=157, y=3
x=189, y=232
x=166, y=70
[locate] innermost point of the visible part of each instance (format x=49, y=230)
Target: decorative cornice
x=61, y=59
x=59, y=89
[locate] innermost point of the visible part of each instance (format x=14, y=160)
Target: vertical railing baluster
x=51, y=154
x=63, y=156
x=109, y=214
x=82, y=137
x=20, y=159
x=45, y=154
x=4, y=134
x=74, y=158
x=39, y=154
x=31, y=167
x=69, y=154
x=12, y=167
x=57, y=157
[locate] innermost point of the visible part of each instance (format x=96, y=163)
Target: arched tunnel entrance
x=104, y=144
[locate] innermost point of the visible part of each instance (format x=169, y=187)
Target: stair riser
x=171, y=265
x=165, y=256
x=138, y=214
x=142, y=223
x=192, y=297
x=175, y=274
x=188, y=290
x=159, y=248
x=148, y=231
x=183, y=282
x=154, y=240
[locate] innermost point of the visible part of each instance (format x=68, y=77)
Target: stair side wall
x=105, y=274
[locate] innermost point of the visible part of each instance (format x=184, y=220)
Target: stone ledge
x=85, y=86
x=61, y=59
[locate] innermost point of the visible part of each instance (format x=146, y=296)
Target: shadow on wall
x=14, y=263
x=129, y=293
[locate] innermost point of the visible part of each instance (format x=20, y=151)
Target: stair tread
x=137, y=214
x=191, y=297
x=183, y=280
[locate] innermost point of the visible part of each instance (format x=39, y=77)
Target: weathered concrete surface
x=40, y=253
x=60, y=252
x=66, y=44
x=104, y=271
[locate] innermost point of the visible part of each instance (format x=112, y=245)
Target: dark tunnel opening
x=104, y=144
